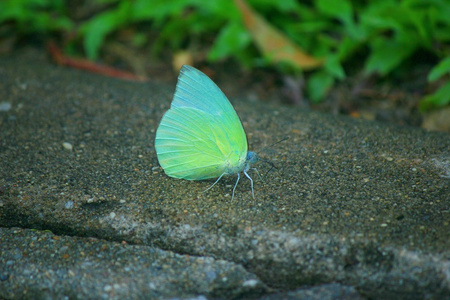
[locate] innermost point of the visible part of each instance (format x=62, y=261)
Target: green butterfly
x=201, y=136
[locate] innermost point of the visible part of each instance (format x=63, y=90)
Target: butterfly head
x=251, y=158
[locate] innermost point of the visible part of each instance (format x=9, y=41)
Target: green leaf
x=232, y=38
x=442, y=68
x=334, y=67
x=339, y=9
x=343, y=11
x=381, y=15
x=96, y=29
x=347, y=47
x=419, y=18
x=223, y=9
x=35, y=16
x=312, y=26
x=318, y=85
x=387, y=54
x=286, y=6
x=438, y=99
x=158, y=10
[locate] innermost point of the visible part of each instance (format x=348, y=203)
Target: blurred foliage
x=35, y=16
x=383, y=34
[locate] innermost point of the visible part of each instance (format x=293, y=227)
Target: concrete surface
x=356, y=209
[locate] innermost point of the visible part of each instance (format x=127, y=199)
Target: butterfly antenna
x=268, y=161
x=270, y=146
x=272, y=166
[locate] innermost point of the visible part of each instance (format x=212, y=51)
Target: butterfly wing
x=200, y=136
x=196, y=90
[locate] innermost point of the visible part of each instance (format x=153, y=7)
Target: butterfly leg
x=232, y=196
x=256, y=170
x=214, y=183
x=251, y=182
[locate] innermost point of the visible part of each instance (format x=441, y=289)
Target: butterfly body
x=201, y=136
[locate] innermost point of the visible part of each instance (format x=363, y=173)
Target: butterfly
x=201, y=136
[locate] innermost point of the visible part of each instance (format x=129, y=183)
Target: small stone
x=107, y=288
x=5, y=106
x=4, y=277
x=251, y=283
x=67, y=146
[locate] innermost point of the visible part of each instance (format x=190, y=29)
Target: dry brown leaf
x=181, y=58
x=273, y=43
